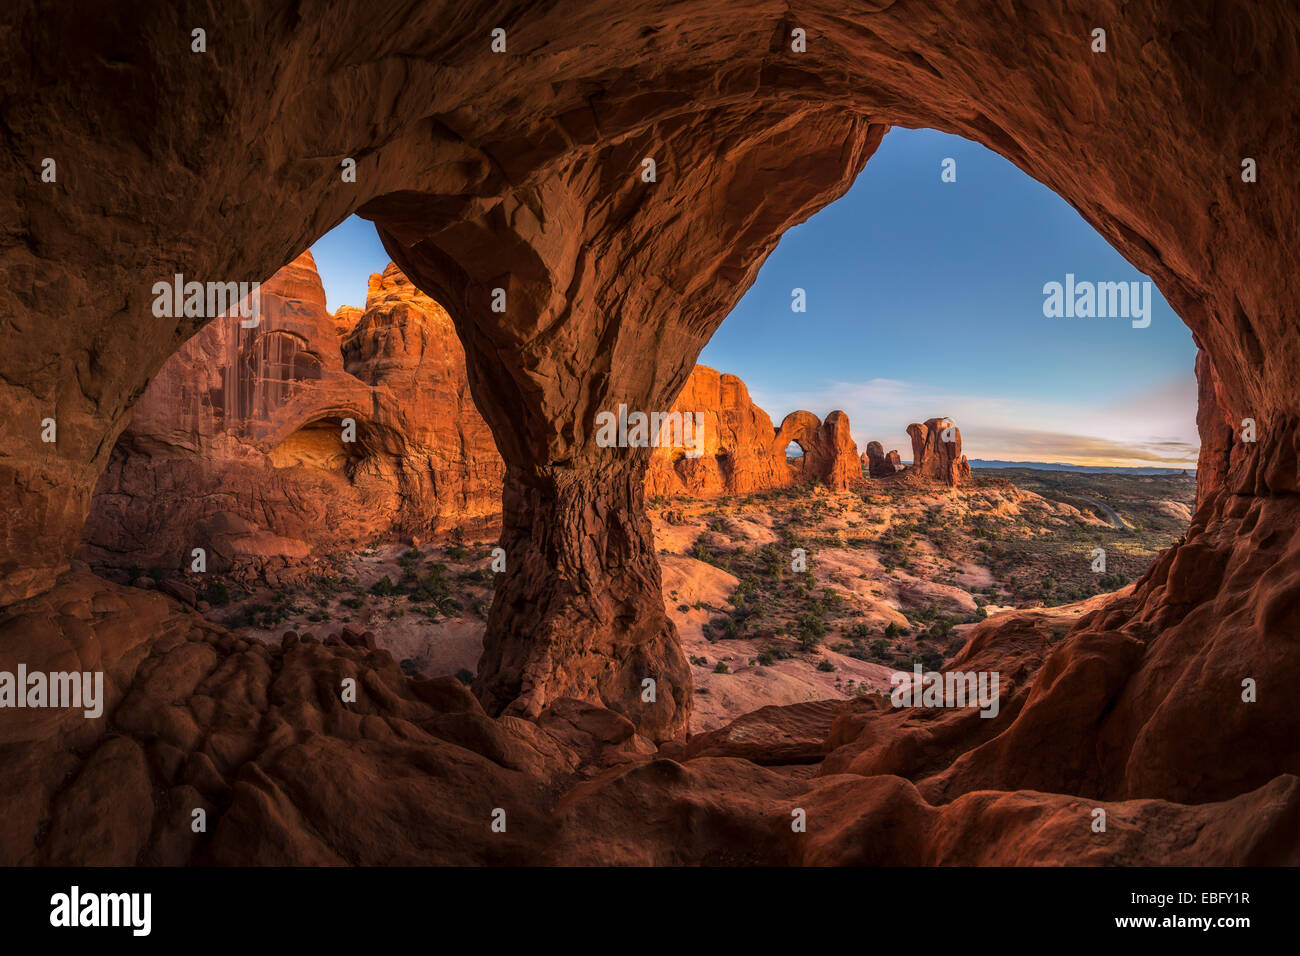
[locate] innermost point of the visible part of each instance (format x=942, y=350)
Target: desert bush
x=216, y=593
x=810, y=629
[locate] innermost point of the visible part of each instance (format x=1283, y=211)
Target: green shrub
x=216, y=593
x=809, y=629
x=858, y=632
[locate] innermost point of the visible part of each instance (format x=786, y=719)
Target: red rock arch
x=829, y=453
x=521, y=172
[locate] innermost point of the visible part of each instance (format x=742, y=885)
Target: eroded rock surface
x=741, y=452
x=936, y=457
x=239, y=445
x=878, y=464
x=260, y=739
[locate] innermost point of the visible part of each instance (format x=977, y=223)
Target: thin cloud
x=1154, y=426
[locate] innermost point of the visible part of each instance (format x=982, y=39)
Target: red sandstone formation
x=936, y=458
x=742, y=452
x=738, y=443
x=258, y=737
x=878, y=464
x=519, y=172
x=829, y=452
x=262, y=480
x=237, y=446
x=347, y=316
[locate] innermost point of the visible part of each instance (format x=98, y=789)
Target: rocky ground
x=895, y=574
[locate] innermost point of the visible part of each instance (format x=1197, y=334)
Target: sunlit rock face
x=936, y=452
x=740, y=452
x=522, y=172
x=268, y=444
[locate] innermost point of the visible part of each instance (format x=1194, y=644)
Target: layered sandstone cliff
x=237, y=447
x=241, y=446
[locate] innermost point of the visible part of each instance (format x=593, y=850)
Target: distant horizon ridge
x=993, y=463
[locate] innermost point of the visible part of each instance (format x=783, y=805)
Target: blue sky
x=925, y=299
x=345, y=257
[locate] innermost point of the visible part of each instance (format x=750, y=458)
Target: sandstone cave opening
x=819, y=565
x=800, y=558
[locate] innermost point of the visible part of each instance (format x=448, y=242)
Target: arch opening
x=321, y=444
x=912, y=551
